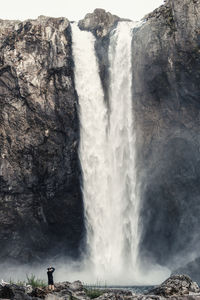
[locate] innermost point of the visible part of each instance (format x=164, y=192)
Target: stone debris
x=176, y=287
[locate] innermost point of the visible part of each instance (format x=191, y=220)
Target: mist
x=68, y=270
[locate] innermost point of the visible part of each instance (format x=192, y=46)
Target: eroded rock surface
x=99, y=22
x=166, y=93
x=40, y=197
x=178, y=285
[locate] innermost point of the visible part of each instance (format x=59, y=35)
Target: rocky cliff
x=41, y=205
x=40, y=196
x=166, y=93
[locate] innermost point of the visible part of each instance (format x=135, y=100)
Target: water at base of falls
x=107, y=156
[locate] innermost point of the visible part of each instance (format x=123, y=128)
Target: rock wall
x=41, y=209
x=166, y=93
x=41, y=205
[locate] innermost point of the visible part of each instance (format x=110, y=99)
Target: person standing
x=50, y=271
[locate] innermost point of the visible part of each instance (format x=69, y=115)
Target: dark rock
x=39, y=293
x=166, y=93
x=40, y=196
x=41, y=209
x=99, y=22
x=14, y=292
x=68, y=291
x=176, y=285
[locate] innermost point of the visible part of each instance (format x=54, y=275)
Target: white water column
x=122, y=139
x=93, y=142
x=107, y=155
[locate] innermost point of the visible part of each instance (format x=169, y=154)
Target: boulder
x=15, y=292
x=176, y=285
x=76, y=286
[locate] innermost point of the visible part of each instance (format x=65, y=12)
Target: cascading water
x=93, y=142
x=107, y=156
x=122, y=193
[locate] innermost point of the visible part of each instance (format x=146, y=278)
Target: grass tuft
x=93, y=293
x=30, y=280
x=35, y=282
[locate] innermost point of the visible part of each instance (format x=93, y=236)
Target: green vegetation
x=94, y=293
x=35, y=282
x=30, y=280
x=95, y=290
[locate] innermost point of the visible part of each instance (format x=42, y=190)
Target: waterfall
x=107, y=155
x=93, y=141
x=122, y=141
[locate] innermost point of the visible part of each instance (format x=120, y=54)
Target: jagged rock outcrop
x=40, y=196
x=99, y=22
x=177, y=285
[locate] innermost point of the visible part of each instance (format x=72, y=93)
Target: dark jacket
x=50, y=275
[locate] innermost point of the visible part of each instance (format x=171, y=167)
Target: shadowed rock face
x=166, y=94
x=41, y=208
x=40, y=198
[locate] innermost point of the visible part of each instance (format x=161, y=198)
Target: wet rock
x=166, y=91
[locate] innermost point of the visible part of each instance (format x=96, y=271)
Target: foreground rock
x=13, y=291
x=176, y=287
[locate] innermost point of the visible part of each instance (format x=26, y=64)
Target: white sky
x=74, y=10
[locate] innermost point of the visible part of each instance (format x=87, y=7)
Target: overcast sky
x=75, y=10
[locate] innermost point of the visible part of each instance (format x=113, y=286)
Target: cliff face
x=40, y=197
x=166, y=93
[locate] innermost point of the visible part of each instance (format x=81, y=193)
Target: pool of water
x=135, y=289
